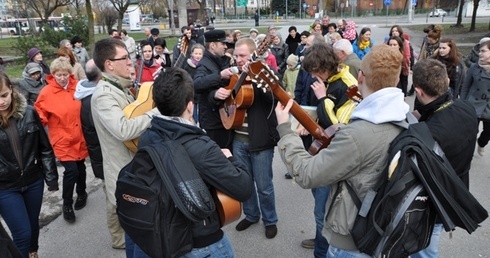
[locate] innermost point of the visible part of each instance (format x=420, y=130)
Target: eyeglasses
x=119, y=59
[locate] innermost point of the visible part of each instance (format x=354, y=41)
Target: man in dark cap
x=212, y=75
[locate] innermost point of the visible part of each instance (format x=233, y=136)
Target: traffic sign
x=305, y=5
x=387, y=2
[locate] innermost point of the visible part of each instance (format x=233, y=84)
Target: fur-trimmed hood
x=21, y=105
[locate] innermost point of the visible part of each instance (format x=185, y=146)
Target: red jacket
x=149, y=74
x=60, y=112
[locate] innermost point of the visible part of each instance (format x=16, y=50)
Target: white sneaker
x=480, y=150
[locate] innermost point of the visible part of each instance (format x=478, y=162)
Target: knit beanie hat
x=350, y=30
x=32, y=68
x=32, y=53
x=292, y=60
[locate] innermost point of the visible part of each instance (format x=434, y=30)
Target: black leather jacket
x=37, y=153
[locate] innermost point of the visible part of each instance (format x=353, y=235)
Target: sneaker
x=308, y=243
x=288, y=176
x=81, y=201
x=33, y=255
x=244, y=224
x=270, y=231
x=480, y=150
x=68, y=214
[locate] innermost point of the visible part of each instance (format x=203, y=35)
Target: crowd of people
x=72, y=109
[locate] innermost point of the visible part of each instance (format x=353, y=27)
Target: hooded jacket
x=475, y=90
x=358, y=153
x=30, y=88
x=59, y=111
x=84, y=92
x=37, y=155
x=228, y=175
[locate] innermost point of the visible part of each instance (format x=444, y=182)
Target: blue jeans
x=74, y=173
x=132, y=250
x=433, y=249
x=222, y=248
x=259, y=163
x=321, y=196
x=334, y=252
x=20, y=209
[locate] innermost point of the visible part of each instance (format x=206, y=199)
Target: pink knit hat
x=350, y=31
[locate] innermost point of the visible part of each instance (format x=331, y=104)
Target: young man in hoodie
x=359, y=151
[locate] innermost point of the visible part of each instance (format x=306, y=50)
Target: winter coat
x=81, y=55
x=30, y=88
x=113, y=128
x=59, y=111
x=84, y=92
x=131, y=47
x=79, y=72
x=37, y=154
x=228, y=175
x=358, y=154
x=293, y=43
x=454, y=126
x=281, y=52
x=476, y=90
x=150, y=71
x=207, y=80
x=289, y=79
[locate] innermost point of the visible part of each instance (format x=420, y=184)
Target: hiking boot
x=244, y=224
x=480, y=150
x=68, y=213
x=308, y=243
x=270, y=231
x=81, y=201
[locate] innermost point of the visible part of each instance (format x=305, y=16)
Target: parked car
x=438, y=13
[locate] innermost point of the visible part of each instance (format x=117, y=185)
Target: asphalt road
x=88, y=237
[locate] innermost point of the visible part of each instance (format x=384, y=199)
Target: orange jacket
x=60, y=112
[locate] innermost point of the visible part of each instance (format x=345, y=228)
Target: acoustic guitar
x=267, y=80
x=234, y=108
x=229, y=209
x=183, y=46
x=144, y=103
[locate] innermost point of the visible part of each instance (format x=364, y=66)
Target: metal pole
x=410, y=11
x=286, y=9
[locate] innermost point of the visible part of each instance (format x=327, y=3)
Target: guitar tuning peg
x=264, y=89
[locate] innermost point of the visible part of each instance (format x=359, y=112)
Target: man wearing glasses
x=110, y=97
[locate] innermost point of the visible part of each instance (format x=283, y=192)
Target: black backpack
x=159, y=194
x=396, y=218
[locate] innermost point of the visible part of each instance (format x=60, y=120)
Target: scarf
x=194, y=61
x=485, y=66
x=148, y=63
x=364, y=44
x=431, y=49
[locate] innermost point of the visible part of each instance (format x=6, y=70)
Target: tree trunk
x=460, y=14
x=473, y=17
x=91, y=24
x=182, y=9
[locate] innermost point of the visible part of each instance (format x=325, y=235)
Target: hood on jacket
x=174, y=127
x=383, y=106
x=84, y=89
x=21, y=107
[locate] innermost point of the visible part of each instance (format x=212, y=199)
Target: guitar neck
x=180, y=60
x=300, y=114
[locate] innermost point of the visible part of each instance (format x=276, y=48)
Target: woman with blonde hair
x=26, y=160
x=77, y=70
x=59, y=111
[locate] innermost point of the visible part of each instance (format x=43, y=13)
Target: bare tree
x=202, y=7
x=121, y=7
x=460, y=14
x=473, y=17
x=44, y=8
x=91, y=23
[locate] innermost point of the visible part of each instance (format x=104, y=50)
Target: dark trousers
x=403, y=84
x=75, y=173
x=223, y=137
x=485, y=134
